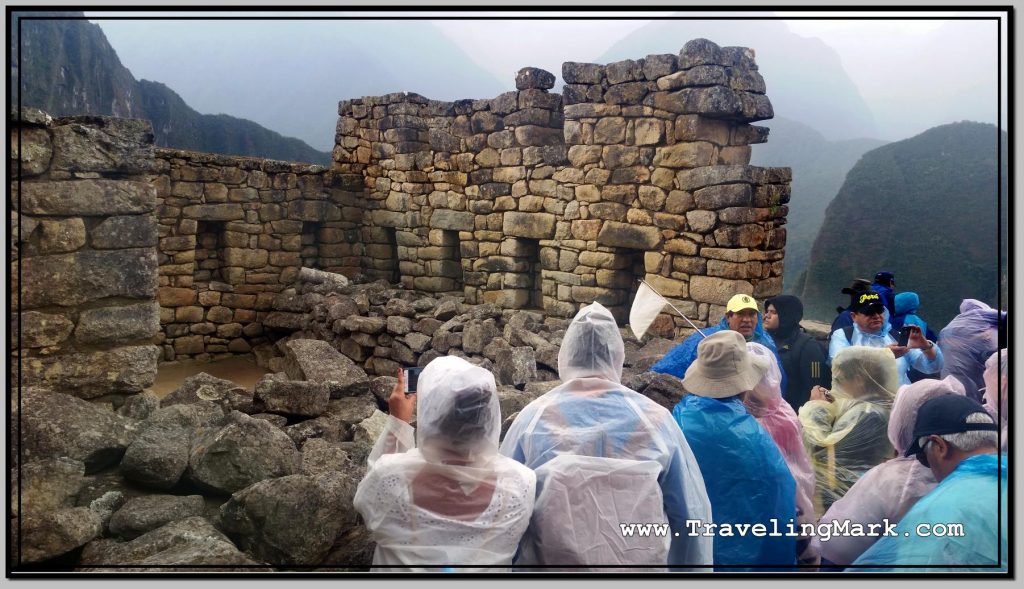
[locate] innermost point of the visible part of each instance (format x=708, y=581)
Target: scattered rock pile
x=214, y=474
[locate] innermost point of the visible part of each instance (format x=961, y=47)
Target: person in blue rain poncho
x=907, y=303
x=605, y=456
x=745, y=474
x=741, y=316
x=956, y=439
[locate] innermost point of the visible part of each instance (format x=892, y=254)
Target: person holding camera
x=870, y=329
x=440, y=497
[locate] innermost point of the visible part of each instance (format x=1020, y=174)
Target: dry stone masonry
x=83, y=254
x=473, y=228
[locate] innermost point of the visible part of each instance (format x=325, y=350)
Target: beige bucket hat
x=723, y=367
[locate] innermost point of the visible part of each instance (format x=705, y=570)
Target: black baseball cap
x=867, y=302
x=946, y=415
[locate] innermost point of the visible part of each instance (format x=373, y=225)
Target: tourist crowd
x=891, y=437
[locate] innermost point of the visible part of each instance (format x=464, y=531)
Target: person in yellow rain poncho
x=845, y=429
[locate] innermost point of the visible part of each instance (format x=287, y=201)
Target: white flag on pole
x=646, y=306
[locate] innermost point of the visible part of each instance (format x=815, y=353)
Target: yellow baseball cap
x=741, y=301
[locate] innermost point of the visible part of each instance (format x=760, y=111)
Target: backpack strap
x=848, y=332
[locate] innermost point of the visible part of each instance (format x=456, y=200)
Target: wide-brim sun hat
x=723, y=367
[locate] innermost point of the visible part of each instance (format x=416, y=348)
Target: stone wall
x=529, y=200
x=233, y=233
x=535, y=200
x=83, y=253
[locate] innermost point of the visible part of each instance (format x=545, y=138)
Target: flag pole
x=702, y=335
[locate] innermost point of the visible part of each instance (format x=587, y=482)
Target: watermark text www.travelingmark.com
x=823, y=530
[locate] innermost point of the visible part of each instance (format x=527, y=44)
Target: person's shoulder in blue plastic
x=741, y=315
x=956, y=527
x=746, y=477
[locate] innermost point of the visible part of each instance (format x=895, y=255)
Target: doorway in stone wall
x=392, y=236
x=310, y=253
x=531, y=255
x=626, y=276
x=451, y=266
x=209, y=263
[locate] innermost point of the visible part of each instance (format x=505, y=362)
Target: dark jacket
x=803, y=359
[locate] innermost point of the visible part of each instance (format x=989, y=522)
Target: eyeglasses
x=921, y=456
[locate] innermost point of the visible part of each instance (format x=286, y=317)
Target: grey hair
x=971, y=440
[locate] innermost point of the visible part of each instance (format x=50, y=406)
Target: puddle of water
x=241, y=370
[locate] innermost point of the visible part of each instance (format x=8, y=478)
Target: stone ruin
x=474, y=228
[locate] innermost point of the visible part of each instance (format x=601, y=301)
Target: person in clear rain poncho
x=746, y=476
x=962, y=524
x=606, y=457
x=845, y=430
x=967, y=342
x=994, y=393
x=889, y=490
x=766, y=404
x=447, y=498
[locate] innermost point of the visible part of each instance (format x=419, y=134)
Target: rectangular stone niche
x=209, y=260
x=622, y=280
x=310, y=244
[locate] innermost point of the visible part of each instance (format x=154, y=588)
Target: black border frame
x=510, y=10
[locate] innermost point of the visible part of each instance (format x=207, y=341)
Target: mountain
x=805, y=78
x=291, y=74
x=819, y=167
x=924, y=208
x=68, y=68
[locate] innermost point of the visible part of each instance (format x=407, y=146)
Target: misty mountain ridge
x=805, y=78
x=924, y=208
x=68, y=68
x=295, y=82
x=819, y=167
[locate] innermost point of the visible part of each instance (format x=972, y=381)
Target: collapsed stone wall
x=234, y=232
x=83, y=254
x=639, y=170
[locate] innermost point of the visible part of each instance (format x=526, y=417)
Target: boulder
x=50, y=534
x=353, y=551
x=241, y=452
x=204, y=387
x=516, y=366
x=292, y=520
x=192, y=541
x=292, y=397
x=159, y=455
x=320, y=456
x=57, y=425
x=318, y=362
x=664, y=389
x=140, y=406
x=143, y=514
x=46, y=485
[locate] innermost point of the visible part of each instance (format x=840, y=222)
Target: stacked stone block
x=234, y=232
x=83, y=254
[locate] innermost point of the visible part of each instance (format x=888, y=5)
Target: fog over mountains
x=837, y=93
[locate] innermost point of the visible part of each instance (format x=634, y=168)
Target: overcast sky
x=900, y=67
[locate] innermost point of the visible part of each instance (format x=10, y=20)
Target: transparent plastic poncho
x=974, y=495
x=889, y=490
x=848, y=436
x=605, y=455
x=996, y=382
x=967, y=342
x=447, y=499
x=766, y=404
